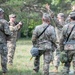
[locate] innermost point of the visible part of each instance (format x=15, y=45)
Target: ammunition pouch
x=64, y=57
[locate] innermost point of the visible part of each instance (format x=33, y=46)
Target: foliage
x=30, y=15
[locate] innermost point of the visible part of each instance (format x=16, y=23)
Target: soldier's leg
x=56, y=60
x=52, y=62
x=11, y=51
x=74, y=63
x=47, y=59
x=66, y=68
x=37, y=61
x=4, y=59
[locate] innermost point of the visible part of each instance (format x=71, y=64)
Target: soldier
x=59, y=22
x=11, y=43
x=70, y=53
x=68, y=18
x=4, y=34
x=45, y=43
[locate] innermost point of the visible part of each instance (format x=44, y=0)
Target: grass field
x=22, y=64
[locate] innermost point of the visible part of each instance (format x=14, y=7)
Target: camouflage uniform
x=58, y=28
x=11, y=43
x=4, y=34
x=68, y=18
x=45, y=46
x=71, y=53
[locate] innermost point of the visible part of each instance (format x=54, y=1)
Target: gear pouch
x=69, y=45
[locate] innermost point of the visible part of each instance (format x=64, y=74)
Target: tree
x=29, y=11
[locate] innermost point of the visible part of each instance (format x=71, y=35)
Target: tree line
x=29, y=11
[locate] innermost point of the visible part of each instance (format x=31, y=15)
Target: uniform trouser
x=3, y=53
x=56, y=60
x=47, y=56
x=11, y=50
x=65, y=71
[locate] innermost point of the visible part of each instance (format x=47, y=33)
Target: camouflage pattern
x=11, y=43
x=58, y=28
x=4, y=34
x=59, y=24
x=71, y=53
x=45, y=46
x=68, y=18
x=42, y=42
x=56, y=60
x=56, y=23
x=68, y=29
x=63, y=56
x=1, y=10
x=47, y=56
x=65, y=71
x=66, y=68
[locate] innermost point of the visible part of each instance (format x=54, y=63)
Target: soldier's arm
x=49, y=10
x=16, y=28
x=53, y=18
x=61, y=42
x=63, y=38
x=6, y=28
x=34, y=36
x=53, y=35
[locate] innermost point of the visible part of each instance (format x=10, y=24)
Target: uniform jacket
x=58, y=25
x=14, y=30
x=4, y=31
x=65, y=32
x=44, y=41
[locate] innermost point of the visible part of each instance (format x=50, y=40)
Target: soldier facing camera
x=14, y=28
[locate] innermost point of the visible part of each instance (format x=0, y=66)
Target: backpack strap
x=42, y=31
x=70, y=33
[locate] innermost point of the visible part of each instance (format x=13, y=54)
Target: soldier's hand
x=20, y=23
x=47, y=6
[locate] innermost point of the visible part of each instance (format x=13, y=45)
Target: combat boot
x=56, y=69
x=35, y=71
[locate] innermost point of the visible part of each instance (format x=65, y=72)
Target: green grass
x=22, y=64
